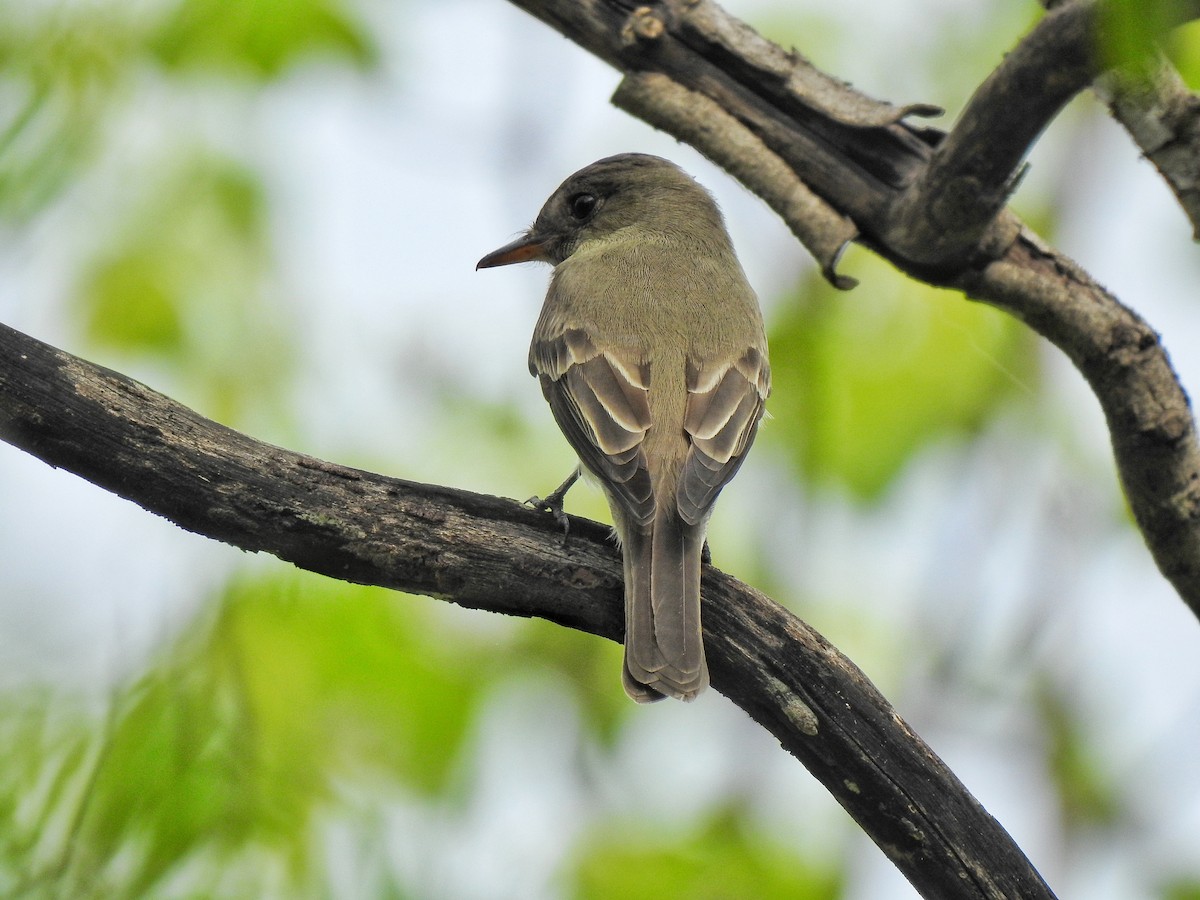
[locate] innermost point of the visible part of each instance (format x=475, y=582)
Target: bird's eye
x=582, y=206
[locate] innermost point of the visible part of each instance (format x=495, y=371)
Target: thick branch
x=853, y=152
x=489, y=553
x=1161, y=115
x=945, y=214
x=658, y=100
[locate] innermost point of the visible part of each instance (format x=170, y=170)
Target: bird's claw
x=554, y=505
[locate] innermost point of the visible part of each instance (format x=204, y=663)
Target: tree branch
x=776, y=122
x=851, y=151
x=490, y=553
x=1161, y=115
x=945, y=214
x=1163, y=118
x=1149, y=417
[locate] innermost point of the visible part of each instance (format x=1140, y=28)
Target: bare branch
x=944, y=215
x=853, y=152
x=1160, y=113
x=696, y=119
x=1163, y=117
x=490, y=553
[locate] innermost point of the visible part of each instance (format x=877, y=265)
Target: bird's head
x=635, y=191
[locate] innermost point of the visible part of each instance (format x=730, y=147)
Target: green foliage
x=1087, y=793
x=1183, y=49
x=723, y=860
x=184, y=279
x=183, y=268
x=60, y=74
x=334, y=672
x=866, y=379
x=198, y=235
x=1182, y=889
x=1132, y=29
x=260, y=39
x=236, y=743
x=64, y=68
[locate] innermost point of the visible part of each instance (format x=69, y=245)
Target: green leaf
x=185, y=277
x=1183, y=49
x=1131, y=30
x=338, y=676
x=62, y=72
x=1088, y=794
x=259, y=39
x=133, y=302
x=196, y=232
x=228, y=750
x=866, y=379
x=1181, y=889
x=726, y=859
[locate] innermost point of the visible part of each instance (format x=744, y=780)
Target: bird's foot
x=553, y=503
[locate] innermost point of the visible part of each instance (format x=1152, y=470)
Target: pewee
x=651, y=352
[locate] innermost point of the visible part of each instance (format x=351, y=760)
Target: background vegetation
x=271, y=211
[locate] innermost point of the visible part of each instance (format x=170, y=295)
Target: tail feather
x=664, y=649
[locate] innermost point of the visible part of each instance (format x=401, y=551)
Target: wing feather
x=600, y=402
x=725, y=406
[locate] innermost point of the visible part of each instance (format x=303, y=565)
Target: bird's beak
x=526, y=248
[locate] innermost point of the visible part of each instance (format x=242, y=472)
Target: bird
x=651, y=352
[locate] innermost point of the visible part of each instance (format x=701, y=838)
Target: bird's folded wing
x=600, y=403
x=725, y=405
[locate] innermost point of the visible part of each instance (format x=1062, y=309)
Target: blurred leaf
x=1088, y=794
x=198, y=231
x=134, y=302
x=237, y=741
x=1132, y=29
x=592, y=666
x=723, y=861
x=65, y=67
x=60, y=73
x=1183, y=48
x=260, y=38
x=1182, y=889
x=334, y=673
x=864, y=380
x=184, y=278
x=171, y=779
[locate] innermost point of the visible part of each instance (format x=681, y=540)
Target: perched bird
x=651, y=352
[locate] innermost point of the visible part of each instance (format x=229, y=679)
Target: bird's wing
x=600, y=403
x=725, y=405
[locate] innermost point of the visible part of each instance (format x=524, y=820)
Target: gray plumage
x=651, y=352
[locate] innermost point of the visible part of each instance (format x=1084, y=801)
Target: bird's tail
x=664, y=648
